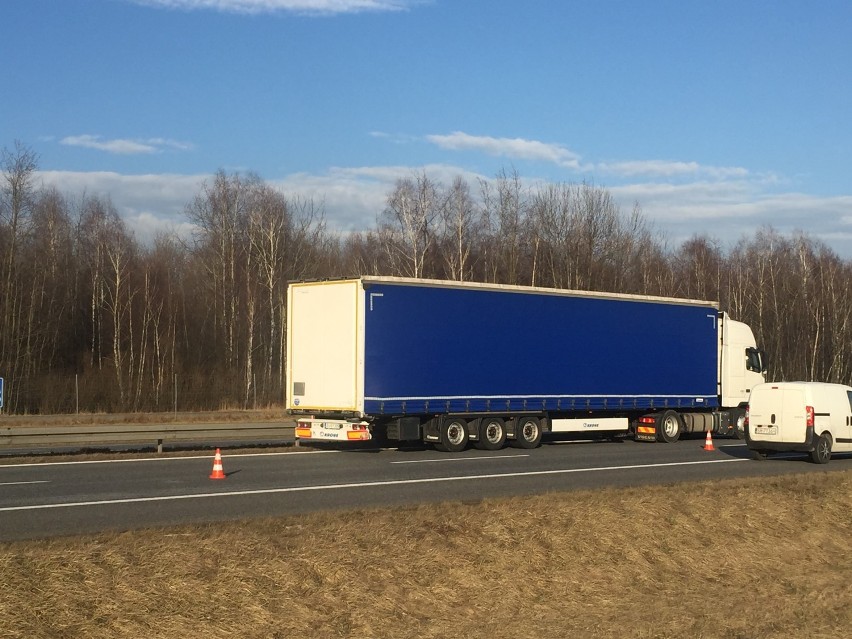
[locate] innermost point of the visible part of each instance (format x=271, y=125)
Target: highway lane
x=44, y=500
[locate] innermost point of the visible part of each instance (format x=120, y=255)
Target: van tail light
x=745, y=421
x=809, y=411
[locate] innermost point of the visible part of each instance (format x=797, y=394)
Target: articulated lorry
x=450, y=363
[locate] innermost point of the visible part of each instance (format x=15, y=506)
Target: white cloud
x=732, y=210
x=148, y=203
x=664, y=168
x=508, y=147
x=352, y=197
x=309, y=7
x=560, y=155
x=124, y=146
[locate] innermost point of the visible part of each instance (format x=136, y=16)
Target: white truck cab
x=812, y=417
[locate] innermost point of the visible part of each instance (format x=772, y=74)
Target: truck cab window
x=756, y=360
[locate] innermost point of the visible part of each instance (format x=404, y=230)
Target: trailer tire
x=453, y=434
x=492, y=434
x=669, y=427
x=822, y=451
x=527, y=433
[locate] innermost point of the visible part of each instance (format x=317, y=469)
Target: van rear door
x=777, y=413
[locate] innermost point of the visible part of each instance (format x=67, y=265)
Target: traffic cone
x=218, y=472
x=708, y=442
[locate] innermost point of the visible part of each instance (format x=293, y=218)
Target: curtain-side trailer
x=453, y=363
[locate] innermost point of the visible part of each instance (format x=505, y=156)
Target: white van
x=811, y=417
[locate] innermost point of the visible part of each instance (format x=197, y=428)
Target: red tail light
x=809, y=411
x=745, y=423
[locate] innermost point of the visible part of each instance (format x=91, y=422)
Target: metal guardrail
x=100, y=435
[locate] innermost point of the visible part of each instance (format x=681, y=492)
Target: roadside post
x=1, y=394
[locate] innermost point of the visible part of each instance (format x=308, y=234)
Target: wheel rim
x=670, y=426
x=493, y=432
x=529, y=430
x=455, y=433
x=823, y=449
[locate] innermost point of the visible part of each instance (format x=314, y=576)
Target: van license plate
x=766, y=430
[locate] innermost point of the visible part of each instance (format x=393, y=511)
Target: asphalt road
x=52, y=499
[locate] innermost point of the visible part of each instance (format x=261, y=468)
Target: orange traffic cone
x=708, y=442
x=218, y=472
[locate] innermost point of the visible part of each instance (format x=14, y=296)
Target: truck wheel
x=453, y=435
x=492, y=434
x=739, y=426
x=668, y=427
x=527, y=433
x=822, y=452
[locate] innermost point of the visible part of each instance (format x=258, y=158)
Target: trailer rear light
x=304, y=432
x=358, y=435
x=809, y=411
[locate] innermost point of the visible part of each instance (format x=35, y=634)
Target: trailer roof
x=378, y=279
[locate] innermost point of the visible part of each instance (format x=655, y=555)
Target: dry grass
x=766, y=558
x=222, y=416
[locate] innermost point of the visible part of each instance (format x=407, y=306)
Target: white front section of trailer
x=325, y=346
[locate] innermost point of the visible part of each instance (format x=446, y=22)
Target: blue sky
x=717, y=117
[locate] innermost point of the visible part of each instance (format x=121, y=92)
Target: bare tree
x=17, y=170
x=457, y=230
x=407, y=232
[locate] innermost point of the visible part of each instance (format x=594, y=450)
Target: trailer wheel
x=669, y=427
x=453, y=435
x=492, y=434
x=822, y=452
x=527, y=433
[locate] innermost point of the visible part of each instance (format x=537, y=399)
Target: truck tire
x=492, y=434
x=739, y=424
x=527, y=433
x=453, y=435
x=669, y=427
x=822, y=451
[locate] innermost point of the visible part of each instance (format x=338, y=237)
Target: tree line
x=93, y=320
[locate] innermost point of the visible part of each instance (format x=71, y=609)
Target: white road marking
x=452, y=459
x=153, y=459
x=368, y=484
x=18, y=483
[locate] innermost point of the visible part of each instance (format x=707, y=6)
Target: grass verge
x=762, y=557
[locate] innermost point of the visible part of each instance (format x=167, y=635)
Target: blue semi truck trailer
x=453, y=363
